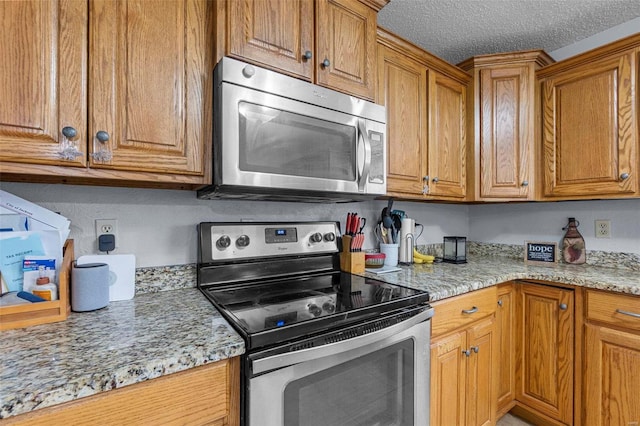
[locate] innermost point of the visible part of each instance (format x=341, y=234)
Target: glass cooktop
x=278, y=310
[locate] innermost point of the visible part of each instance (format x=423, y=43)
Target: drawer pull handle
x=476, y=349
x=467, y=352
x=470, y=311
x=631, y=314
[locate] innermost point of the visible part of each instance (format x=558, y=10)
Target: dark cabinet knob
x=307, y=55
x=326, y=63
x=69, y=132
x=624, y=176
x=102, y=136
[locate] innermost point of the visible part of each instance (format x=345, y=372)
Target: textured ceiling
x=458, y=29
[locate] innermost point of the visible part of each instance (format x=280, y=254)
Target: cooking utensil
x=382, y=231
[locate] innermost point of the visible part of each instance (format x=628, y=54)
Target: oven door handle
x=286, y=359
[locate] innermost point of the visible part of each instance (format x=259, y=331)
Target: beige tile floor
x=509, y=420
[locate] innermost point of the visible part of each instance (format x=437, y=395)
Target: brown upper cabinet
x=425, y=99
x=590, y=124
x=328, y=42
x=117, y=91
x=503, y=125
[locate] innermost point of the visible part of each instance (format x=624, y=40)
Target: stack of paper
x=27, y=229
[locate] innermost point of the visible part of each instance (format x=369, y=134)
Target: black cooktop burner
x=275, y=311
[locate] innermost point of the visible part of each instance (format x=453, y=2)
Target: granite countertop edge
x=164, y=332
x=125, y=343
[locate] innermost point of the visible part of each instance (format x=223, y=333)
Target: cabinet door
x=448, y=379
x=447, y=136
x=507, y=132
x=403, y=89
x=167, y=400
x=506, y=329
x=546, y=334
x=481, y=402
x=274, y=33
x=150, y=85
x=346, y=40
x=43, y=45
x=590, y=129
x=611, y=373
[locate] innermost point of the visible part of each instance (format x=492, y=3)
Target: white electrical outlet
x=603, y=228
x=107, y=226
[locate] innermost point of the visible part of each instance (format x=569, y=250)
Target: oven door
x=381, y=378
x=269, y=141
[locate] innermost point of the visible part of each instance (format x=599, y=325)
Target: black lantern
x=455, y=250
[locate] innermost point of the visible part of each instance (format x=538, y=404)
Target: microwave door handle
x=367, y=155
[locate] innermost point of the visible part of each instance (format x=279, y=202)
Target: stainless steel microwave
x=280, y=138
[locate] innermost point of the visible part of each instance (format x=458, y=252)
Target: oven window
x=281, y=142
x=374, y=390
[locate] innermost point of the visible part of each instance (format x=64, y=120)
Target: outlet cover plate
x=603, y=228
x=107, y=226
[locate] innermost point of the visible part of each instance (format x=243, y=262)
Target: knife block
x=352, y=262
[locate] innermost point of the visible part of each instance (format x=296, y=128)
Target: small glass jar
x=455, y=250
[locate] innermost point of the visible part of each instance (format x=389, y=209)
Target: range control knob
x=223, y=242
x=329, y=236
x=243, y=241
x=316, y=238
x=328, y=307
x=314, y=309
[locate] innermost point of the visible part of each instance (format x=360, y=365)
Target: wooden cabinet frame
x=432, y=162
x=590, y=113
x=105, y=68
x=209, y=394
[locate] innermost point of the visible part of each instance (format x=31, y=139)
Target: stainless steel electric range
x=323, y=347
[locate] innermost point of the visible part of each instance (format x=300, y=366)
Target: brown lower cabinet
x=612, y=359
x=526, y=360
x=174, y=399
x=463, y=358
x=545, y=352
x=506, y=366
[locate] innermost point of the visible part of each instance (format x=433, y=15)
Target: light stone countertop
x=169, y=331
x=444, y=280
x=125, y=343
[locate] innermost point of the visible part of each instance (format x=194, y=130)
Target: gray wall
x=159, y=226
x=517, y=223
x=614, y=33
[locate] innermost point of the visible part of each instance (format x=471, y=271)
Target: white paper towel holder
x=407, y=241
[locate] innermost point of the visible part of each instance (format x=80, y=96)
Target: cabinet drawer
x=462, y=310
x=614, y=308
